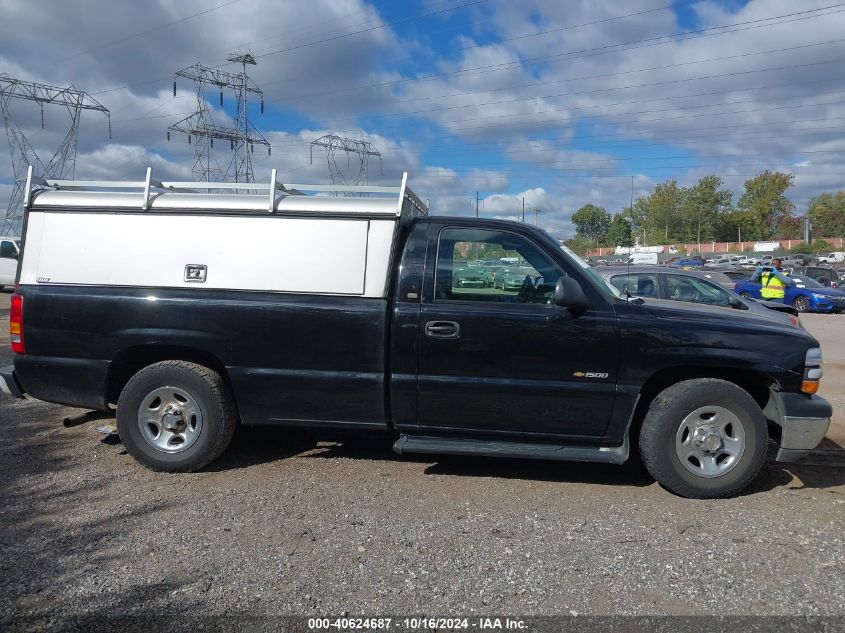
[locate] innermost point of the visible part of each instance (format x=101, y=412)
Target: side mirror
x=737, y=304
x=568, y=294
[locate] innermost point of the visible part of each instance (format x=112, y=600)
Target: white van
x=10, y=248
x=833, y=258
x=637, y=259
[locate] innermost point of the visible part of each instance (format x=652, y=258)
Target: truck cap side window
x=492, y=266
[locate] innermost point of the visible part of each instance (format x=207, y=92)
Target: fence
x=836, y=243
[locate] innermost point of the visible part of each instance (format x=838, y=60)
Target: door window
x=638, y=284
x=680, y=288
x=492, y=266
x=8, y=250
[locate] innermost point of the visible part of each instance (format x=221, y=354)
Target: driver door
x=504, y=359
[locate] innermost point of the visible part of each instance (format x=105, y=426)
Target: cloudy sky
x=559, y=103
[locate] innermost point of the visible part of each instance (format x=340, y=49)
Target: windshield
x=589, y=270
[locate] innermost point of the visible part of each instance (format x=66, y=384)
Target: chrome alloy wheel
x=170, y=420
x=710, y=441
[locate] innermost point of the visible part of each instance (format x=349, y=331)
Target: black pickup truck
x=561, y=368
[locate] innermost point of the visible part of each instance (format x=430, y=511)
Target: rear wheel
x=746, y=295
x=801, y=304
x=176, y=416
x=703, y=438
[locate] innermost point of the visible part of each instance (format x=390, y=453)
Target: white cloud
x=577, y=109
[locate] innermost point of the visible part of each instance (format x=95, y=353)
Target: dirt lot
x=287, y=524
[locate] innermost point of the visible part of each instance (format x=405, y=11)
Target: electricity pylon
x=361, y=149
x=62, y=164
x=202, y=131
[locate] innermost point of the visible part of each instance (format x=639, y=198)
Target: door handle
x=442, y=329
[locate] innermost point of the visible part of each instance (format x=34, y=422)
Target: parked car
x=835, y=257
x=642, y=258
x=470, y=278
x=190, y=343
x=807, y=295
x=489, y=274
x=515, y=278
x=9, y=252
x=798, y=259
x=825, y=275
x=693, y=287
x=689, y=262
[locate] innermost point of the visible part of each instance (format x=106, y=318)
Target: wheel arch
x=127, y=362
x=756, y=384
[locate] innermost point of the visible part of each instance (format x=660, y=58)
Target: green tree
x=619, y=232
x=579, y=245
x=591, y=222
x=733, y=225
x=818, y=246
x=666, y=203
x=827, y=214
x=705, y=203
x=765, y=200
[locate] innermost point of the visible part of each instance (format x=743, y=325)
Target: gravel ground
x=286, y=523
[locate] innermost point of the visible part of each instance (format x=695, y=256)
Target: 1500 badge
x=590, y=374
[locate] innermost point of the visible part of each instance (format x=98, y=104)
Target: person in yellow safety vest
x=772, y=280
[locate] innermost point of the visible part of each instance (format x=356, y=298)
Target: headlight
x=812, y=370
x=818, y=296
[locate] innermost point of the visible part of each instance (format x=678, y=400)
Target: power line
x=707, y=32
x=374, y=28
x=616, y=74
x=147, y=31
x=321, y=26
x=443, y=123
x=510, y=143
x=377, y=27
x=472, y=46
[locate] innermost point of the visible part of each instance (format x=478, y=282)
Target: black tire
x=746, y=295
x=211, y=394
x=664, y=419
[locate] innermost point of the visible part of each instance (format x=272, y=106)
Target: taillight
x=16, y=325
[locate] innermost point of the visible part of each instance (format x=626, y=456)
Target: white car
x=10, y=248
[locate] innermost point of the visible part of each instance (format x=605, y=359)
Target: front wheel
x=801, y=304
x=703, y=438
x=746, y=295
x=176, y=416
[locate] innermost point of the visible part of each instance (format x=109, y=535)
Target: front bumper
x=9, y=383
x=802, y=420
